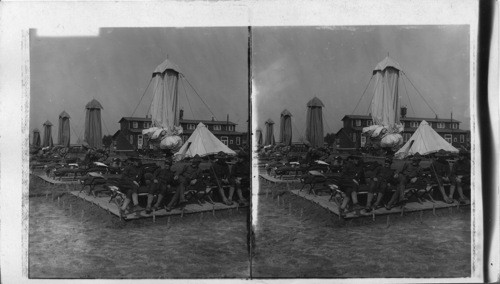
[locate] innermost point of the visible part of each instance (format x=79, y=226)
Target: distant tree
x=107, y=140
x=330, y=138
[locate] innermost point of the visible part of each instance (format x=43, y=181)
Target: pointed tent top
x=269, y=121
x=202, y=142
x=36, y=130
x=166, y=65
x=315, y=102
x=47, y=123
x=424, y=141
x=64, y=114
x=286, y=113
x=387, y=62
x=423, y=123
x=93, y=104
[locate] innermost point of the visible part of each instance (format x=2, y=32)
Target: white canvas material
x=425, y=141
x=202, y=142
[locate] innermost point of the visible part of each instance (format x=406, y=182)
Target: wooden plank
x=53, y=181
x=111, y=207
x=323, y=201
x=276, y=180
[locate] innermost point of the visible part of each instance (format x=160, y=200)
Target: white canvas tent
x=424, y=141
x=202, y=142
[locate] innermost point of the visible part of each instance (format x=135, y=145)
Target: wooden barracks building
x=130, y=137
x=349, y=136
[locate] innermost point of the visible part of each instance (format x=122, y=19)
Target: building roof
x=357, y=116
x=130, y=118
x=196, y=121
x=186, y=121
x=215, y=132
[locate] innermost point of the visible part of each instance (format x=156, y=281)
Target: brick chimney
x=403, y=112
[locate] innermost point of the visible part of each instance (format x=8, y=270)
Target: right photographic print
x=362, y=139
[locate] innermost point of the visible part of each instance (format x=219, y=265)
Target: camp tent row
x=314, y=126
x=93, y=130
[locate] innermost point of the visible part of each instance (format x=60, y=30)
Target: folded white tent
x=424, y=141
x=202, y=142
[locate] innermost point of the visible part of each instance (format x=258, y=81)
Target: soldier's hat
x=242, y=154
x=220, y=155
x=416, y=157
x=463, y=153
x=196, y=159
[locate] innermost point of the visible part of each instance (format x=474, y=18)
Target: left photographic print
x=139, y=154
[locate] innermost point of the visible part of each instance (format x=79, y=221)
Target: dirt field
x=308, y=241
x=69, y=238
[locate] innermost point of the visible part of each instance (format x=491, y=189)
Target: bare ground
x=69, y=238
x=308, y=241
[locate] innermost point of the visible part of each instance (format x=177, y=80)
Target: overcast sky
x=116, y=66
x=291, y=65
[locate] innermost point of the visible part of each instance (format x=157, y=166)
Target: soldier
x=163, y=182
x=129, y=186
x=441, y=172
x=220, y=173
x=408, y=174
x=188, y=177
x=460, y=176
x=349, y=183
x=240, y=178
x=381, y=183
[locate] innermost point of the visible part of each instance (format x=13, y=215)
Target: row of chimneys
x=403, y=112
x=181, y=116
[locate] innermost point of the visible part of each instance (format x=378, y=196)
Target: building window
x=440, y=125
x=216, y=127
x=139, y=141
x=337, y=141
x=231, y=142
x=146, y=125
x=455, y=139
x=354, y=137
x=191, y=126
x=369, y=122
x=131, y=139
x=462, y=138
x=414, y=124
x=135, y=124
x=358, y=122
x=454, y=125
x=406, y=137
x=238, y=140
x=230, y=128
x=447, y=137
x=224, y=140
x=363, y=141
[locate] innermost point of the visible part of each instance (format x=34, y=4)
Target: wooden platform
x=112, y=208
x=270, y=179
x=323, y=201
x=50, y=180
